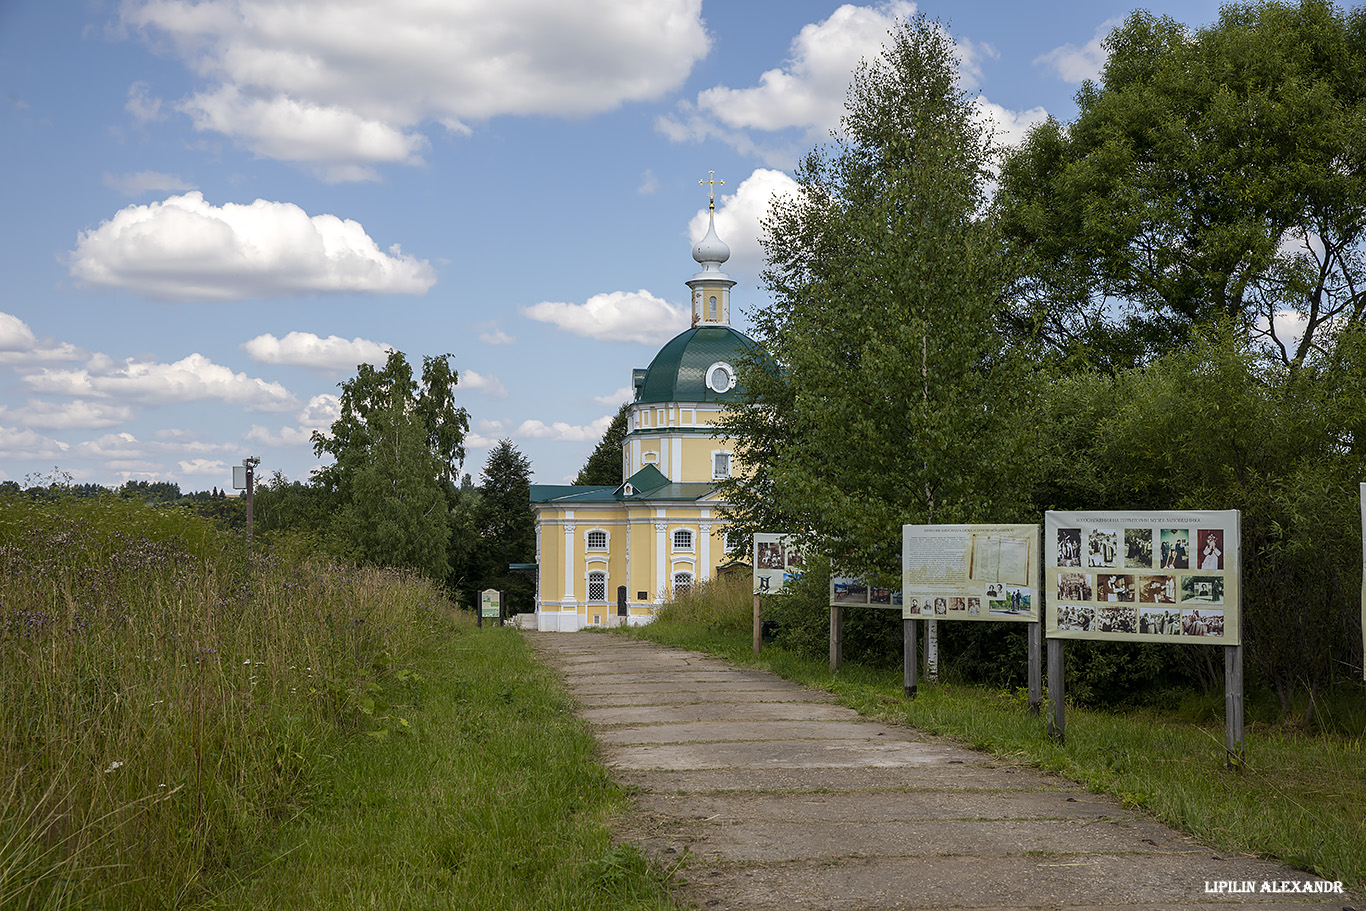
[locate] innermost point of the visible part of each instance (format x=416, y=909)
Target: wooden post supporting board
x=908, y=655
x=1233, y=706
x=836, y=637
x=1056, y=722
x=1035, y=672
x=758, y=626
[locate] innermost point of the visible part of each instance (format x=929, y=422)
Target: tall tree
x=890, y=396
x=604, y=466
x=1212, y=173
x=505, y=523
x=397, y=446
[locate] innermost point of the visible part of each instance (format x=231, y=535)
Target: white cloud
x=285, y=436
x=344, y=85
x=120, y=446
x=488, y=384
x=495, y=336
x=810, y=90
x=615, y=399
x=15, y=334
x=649, y=183
x=559, y=430
x=475, y=440
x=304, y=349
x=146, y=182
x=1289, y=326
x=141, y=105
x=738, y=218
x=619, y=316
x=194, y=378
x=186, y=249
x=1009, y=126
x=204, y=467
x=19, y=346
x=320, y=412
x=339, y=144
x=1077, y=64
x=68, y=415
x=20, y=444
x=806, y=93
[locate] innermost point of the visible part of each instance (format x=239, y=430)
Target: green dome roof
x=679, y=371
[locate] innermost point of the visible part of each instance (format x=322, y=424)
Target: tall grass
x=168, y=697
x=493, y=799
x=1299, y=798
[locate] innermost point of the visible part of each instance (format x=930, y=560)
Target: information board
x=970, y=572
x=847, y=590
x=1143, y=576
x=489, y=604
x=777, y=560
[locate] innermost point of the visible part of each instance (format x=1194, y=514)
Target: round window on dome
x=720, y=378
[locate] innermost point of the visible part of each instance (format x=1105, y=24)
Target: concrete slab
x=730, y=710
x=744, y=756
x=766, y=795
x=821, y=780
x=665, y=731
x=907, y=805
x=1044, y=881
x=622, y=696
x=741, y=841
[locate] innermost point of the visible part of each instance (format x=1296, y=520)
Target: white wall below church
x=566, y=622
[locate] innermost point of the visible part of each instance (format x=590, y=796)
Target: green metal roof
x=647, y=484
x=679, y=371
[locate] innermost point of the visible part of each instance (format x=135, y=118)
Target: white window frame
x=709, y=376
x=588, y=540
x=650, y=457
x=730, y=464
x=588, y=586
x=680, y=574
x=688, y=548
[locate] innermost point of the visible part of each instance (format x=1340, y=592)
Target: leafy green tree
x=505, y=524
x=890, y=396
x=1212, y=173
x=151, y=491
x=1216, y=425
x=604, y=466
x=397, y=447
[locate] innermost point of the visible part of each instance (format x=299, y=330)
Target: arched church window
x=597, y=539
x=682, y=583
x=597, y=587
x=682, y=539
x=720, y=465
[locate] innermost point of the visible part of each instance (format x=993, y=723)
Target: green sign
x=489, y=604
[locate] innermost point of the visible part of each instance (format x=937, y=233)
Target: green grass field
x=188, y=724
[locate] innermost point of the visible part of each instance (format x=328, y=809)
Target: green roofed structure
x=661, y=530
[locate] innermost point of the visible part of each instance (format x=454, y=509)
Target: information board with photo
x=1143, y=576
x=970, y=572
x=777, y=559
x=848, y=590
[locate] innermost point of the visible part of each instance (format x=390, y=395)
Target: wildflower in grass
x=116, y=764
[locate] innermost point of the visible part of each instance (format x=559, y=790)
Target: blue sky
x=213, y=211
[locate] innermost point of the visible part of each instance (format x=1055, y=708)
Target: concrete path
x=781, y=799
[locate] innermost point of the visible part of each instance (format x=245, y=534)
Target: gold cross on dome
x=711, y=190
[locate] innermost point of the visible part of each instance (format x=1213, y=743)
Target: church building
x=660, y=531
